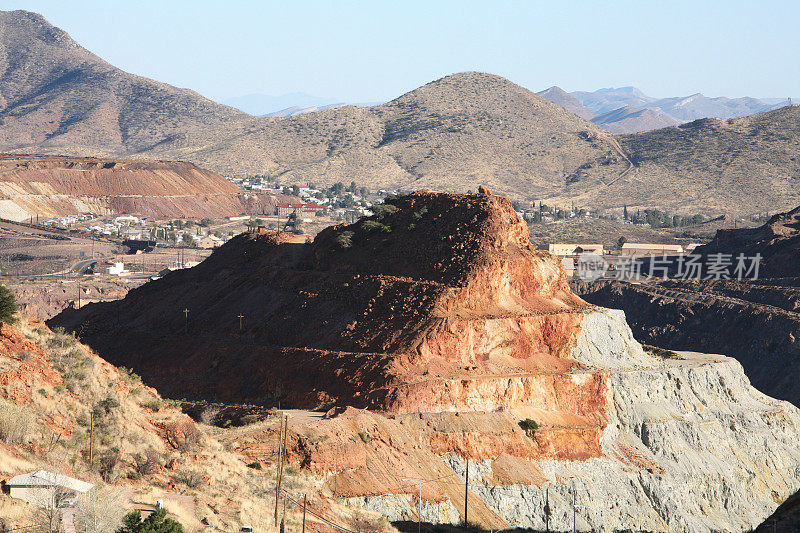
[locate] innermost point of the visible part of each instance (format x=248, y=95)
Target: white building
x=117, y=269
x=126, y=220
x=47, y=489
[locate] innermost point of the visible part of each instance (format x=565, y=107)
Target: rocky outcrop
x=49, y=186
x=465, y=344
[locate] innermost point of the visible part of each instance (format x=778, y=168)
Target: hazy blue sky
x=371, y=51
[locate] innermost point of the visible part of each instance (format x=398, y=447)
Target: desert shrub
x=364, y=436
x=419, y=214
x=129, y=375
x=190, y=478
x=8, y=305
x=16, y=423
x=529, y=424
x=147, y=463
x=292, y=470
x=183, y=435
x=105, y=406
x=375, y=226
x=383, y=210
x=344, y=239
x=107, y=463
x=154, y=405
x=255, y=465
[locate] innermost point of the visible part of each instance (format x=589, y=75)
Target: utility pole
x=241, y=316
x=547, y=509
x=304, y=513
x=574, y=508
x=279, y=471
x=79, y=293
x=466, y=495
x=186, y=314
x=281, y=461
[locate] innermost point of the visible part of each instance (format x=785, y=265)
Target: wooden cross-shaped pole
x=186, y=313
x=241, y=316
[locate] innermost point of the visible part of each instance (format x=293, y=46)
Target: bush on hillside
x=8, y=305
x=155, y=523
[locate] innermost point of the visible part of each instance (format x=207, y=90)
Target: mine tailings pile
x=50, y=186
x=436, y=336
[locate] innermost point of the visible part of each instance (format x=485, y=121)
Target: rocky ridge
x=466, y=344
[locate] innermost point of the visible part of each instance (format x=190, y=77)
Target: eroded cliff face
x=50, y=186
x=440, y=318
x=685, y=444
x=756, y=322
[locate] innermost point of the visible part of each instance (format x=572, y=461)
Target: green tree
x=337, y=188
x=620, y=242
x=8, y=305
x=155, y=523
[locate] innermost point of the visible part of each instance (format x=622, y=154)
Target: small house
x=48, y=489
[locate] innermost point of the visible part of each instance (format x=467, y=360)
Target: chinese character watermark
x=716, y=266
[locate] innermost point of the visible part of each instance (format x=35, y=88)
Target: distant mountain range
x=629, y=110
x=452, y=134
x=287, y=105
x=619, y=110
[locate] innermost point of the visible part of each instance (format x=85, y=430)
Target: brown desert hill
x=379, y=313
x=559, y=96
x=451, y=134
x=57, y=97
x=48, y=186
x=630, y=119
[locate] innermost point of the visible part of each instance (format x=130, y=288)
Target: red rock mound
x=437, y=302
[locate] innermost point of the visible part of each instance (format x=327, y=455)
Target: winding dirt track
x=615, y=145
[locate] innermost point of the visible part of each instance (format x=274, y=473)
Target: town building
x=209, y=241
x=286, y=209
x=565, y=250
x=637, y=248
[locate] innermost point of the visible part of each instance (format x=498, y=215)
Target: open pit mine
x=441, y=342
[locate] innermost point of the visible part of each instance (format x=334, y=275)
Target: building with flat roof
x=47, y=489
x=564, y=250
x=637, y=248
